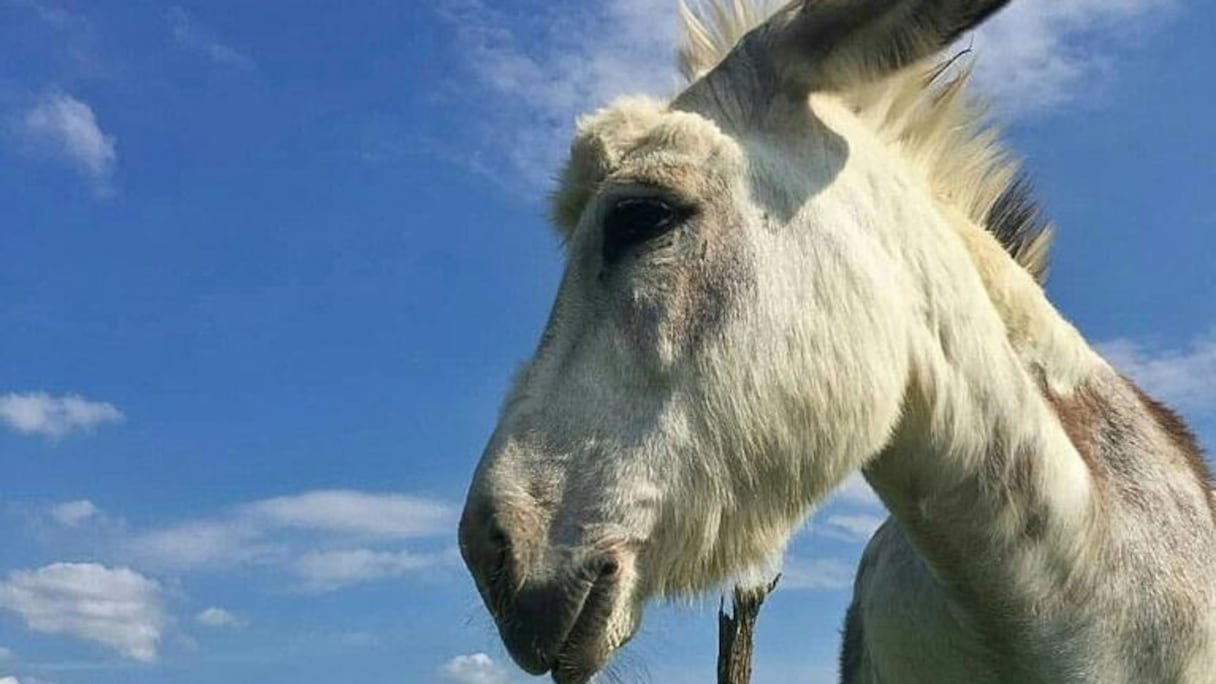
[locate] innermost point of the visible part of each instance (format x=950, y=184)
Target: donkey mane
x=926, y=113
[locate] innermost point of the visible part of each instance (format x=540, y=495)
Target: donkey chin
x=566, y=615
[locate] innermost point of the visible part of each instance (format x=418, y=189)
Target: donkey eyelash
x=632, y=221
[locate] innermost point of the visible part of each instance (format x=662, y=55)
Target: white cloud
x=816, y=573
x=11, y=679
x=1039, y=55
x=865, y=512
x=23, y=680
x=73, y=513
x=475, y=668
x=1182, y=377
x=564, y=60
x=329, y=570
x=203, y=544
x=65, y=127
x=68, y=43
x=51, y=14
x=544, y=65
x=217, y=617
x=116, y=607
x=326, y=539
x=854, y=528
x=360, y=639
x=39, y=413
x=390, y=516
x=188, y=34
x=262, y=531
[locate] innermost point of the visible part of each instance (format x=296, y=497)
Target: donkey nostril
x=498, y=538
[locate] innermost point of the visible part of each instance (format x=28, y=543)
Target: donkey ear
x=823, y=45
x=818, y=45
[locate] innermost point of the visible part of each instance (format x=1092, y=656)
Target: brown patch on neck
x=1078, y=414
x=1179, y=434
x=1093, y=422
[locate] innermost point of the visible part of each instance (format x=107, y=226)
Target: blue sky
x=266, y=267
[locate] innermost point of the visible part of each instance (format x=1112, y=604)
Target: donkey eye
x=633, y=221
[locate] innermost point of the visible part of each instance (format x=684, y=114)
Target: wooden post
x=736, y=639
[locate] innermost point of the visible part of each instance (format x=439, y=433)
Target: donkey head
x=730, y=339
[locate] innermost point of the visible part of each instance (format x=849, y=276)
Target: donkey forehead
x=641, y=141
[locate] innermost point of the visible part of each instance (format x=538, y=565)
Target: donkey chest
x=903, y=629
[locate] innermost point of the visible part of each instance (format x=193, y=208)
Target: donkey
x=817, y=260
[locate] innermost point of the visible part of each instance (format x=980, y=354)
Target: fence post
x=736, y=633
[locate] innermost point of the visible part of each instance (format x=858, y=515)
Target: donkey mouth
x=586, y=648
x=562, y=628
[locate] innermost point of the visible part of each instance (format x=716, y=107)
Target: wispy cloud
x=858, y=527
x=816, y=573
x=188, y=34
x=329, y=570
x=217, y=617
x=1181, y=376
x=475, y=668
x=325, y=540
x=391, y=516
x=45, y=11
x=116, y=607
x=63, y=127
x=73, y=513
x=24, y=680
x=852, y=513
x=544, y=65
x=73, y=29
x=360, y=639
x=261, y=530
x=203, y=544
x=319, y=540
x=562, y=60
x=5, y=654
x=1040, y=55
x=39, y=413
x=70, y=37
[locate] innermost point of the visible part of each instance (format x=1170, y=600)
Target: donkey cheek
x=672, y=317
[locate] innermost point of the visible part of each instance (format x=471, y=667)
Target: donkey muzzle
x=552, y=617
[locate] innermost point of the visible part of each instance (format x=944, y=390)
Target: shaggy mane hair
x=924, y=112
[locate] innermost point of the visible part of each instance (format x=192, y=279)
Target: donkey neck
x=981, y=464
x=1045, y=494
